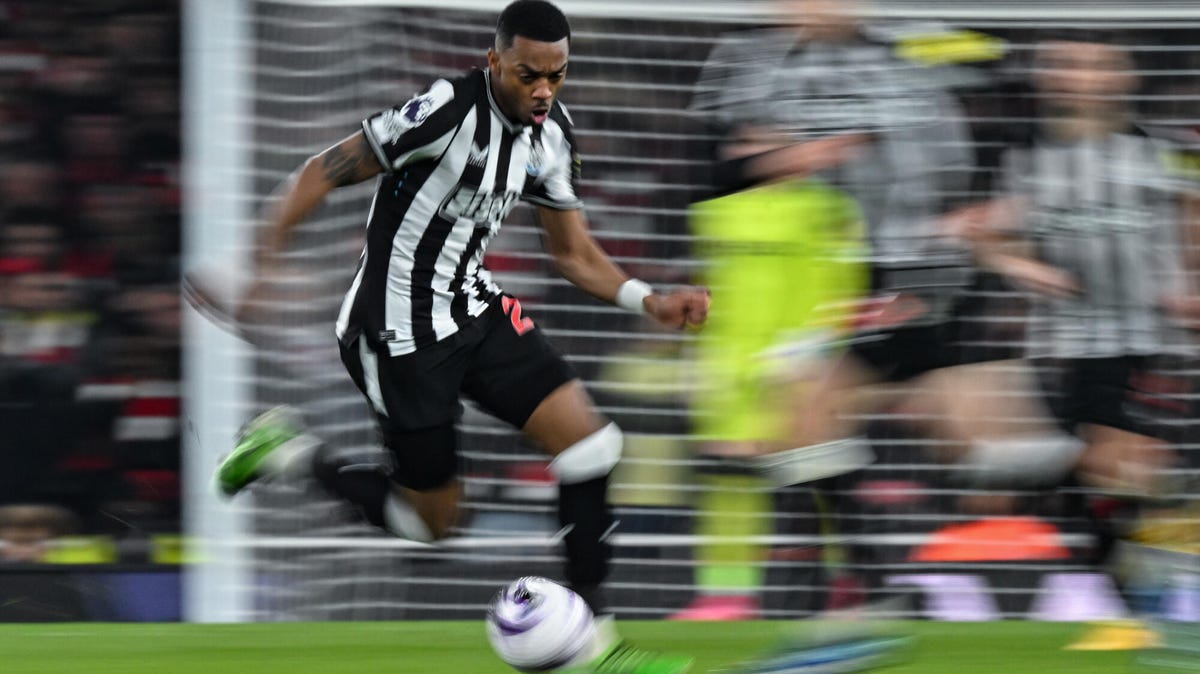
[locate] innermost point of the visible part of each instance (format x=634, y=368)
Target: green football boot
x=624, y=658
x=265, y=445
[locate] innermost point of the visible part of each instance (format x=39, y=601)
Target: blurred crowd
x=89, y=254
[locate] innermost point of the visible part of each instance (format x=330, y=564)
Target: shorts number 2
x=512, y=307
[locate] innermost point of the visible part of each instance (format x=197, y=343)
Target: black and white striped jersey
x=454, y=168
x=1106, y=212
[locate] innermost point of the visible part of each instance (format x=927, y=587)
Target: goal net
x=689, y=525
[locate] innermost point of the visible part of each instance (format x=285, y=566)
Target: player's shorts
x=907, y=352
x=1100, y=391
x=506, y=366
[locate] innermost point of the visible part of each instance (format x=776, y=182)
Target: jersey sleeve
x=555, y=166
x=420, y=129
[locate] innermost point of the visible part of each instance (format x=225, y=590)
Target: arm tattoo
x=342, y=167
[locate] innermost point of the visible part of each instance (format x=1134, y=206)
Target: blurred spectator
x=89, y=247
x=28, y=530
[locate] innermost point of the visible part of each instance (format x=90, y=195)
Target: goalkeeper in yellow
x=784, y=264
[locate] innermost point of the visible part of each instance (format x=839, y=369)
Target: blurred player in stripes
x=1091, y=225
x=424, y=322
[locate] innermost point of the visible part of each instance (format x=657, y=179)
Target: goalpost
x=270, y=82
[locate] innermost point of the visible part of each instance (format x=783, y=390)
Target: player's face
x=526, y=77
x=1084, y=77
x=822, y=20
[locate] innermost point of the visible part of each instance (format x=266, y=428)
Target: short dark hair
x=532, y=19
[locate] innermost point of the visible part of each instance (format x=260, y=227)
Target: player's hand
x=1183, y=309
x=232, y=301
x=686, y=307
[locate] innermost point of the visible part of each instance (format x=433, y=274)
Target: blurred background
x=137, y=139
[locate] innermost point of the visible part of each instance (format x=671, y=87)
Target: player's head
x=1083, y=75
x=822, y=20
x=528, y=62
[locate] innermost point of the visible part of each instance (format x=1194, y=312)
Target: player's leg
x=1122, y=456
x=520, y=378
x=823, y=439
x=415, y=493
x=993, y=421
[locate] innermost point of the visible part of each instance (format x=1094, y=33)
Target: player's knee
x=592, y=457
x=424, y=459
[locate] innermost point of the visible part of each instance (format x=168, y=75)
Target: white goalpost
x=270, y=82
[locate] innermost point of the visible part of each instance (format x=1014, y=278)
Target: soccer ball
x=536, y=625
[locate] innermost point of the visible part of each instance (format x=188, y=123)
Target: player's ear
x=493, y=61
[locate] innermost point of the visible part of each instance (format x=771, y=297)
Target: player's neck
x=500, y=103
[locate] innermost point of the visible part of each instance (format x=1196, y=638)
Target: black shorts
x=506, y=366
x=1100, y=391
x=906, y=352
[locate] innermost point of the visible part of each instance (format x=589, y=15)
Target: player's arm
x=581, y=261
x=989, y=229
x=349, y=162
x=226, y=300
x=1181, y=299
x=749, y=157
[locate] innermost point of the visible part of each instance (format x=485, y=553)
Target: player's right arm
x=349, y=162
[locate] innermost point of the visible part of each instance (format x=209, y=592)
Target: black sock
x=584, y=508
x=366, y=485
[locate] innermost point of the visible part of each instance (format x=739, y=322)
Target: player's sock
x=586, y=517
x=584, y=512
x=368, y=486
x=814, y=462
x=735, y=503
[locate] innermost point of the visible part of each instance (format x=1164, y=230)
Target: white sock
x=814, y=462
x=1026, y=460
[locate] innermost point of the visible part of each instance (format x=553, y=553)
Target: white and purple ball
x=536, y=625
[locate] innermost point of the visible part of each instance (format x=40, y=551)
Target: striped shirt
x=918, y=158
x=1106, y=212
x=455, y=166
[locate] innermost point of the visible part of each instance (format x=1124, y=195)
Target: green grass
x=461, y=648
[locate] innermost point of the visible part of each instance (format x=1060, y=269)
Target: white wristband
x=631, y=293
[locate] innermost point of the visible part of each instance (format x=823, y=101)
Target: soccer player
x=424, y=322
x=1090, y=225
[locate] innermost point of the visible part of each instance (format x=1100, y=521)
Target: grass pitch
x=462, y=648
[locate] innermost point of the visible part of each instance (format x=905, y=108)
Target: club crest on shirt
x=533, y=165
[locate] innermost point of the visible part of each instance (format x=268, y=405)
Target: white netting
x=321, y=67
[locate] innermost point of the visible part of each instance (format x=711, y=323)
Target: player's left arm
x=1182, y=302
x=581, y=261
